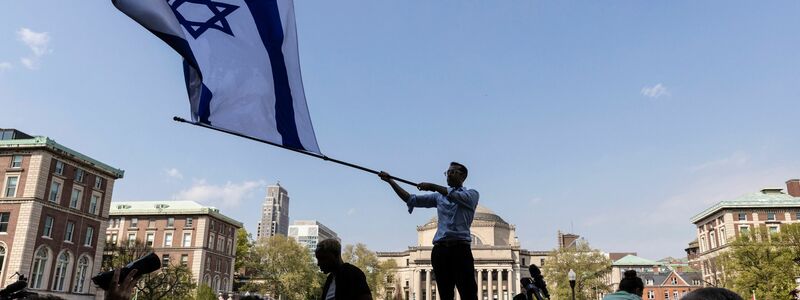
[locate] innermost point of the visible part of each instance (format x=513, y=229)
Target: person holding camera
x=451, y=256
x=631, y=287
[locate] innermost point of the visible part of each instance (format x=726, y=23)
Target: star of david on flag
x=241, y=64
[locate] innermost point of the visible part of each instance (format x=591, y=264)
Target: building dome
x=481, y=214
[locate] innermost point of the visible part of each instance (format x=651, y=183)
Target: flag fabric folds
x=240, y=62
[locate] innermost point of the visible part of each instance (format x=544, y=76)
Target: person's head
x=711, y=293
x=329, y=255
x=631, y=283
x=456, y=174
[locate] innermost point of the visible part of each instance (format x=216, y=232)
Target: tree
x=118, y=256
x=377, y=273
x=243, y=245
x=590, y=267
x=763, y=262
x=170, y=282
x=205, y=292
x=280, y=266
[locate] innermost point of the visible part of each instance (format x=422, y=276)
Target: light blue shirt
x=455, y=212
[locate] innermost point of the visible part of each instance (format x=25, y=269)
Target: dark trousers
x=454, y=266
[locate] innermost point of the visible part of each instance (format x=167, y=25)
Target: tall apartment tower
x=311, y=232
x=275, y=213
x=53, y=212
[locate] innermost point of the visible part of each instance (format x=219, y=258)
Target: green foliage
x=280, y=266
x=170, y=282
x=243, y=245
x=590, y=267
x=763, y=262
x=375, y=271
x=205, y=292
x=118, y=256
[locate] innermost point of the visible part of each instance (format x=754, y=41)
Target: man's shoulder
x=351, y=269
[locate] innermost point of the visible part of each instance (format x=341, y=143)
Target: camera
x=533, y=288
x=144, y=265
x=16, y=290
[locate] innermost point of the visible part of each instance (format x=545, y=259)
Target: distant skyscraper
x=275, y=213
x=310, y=232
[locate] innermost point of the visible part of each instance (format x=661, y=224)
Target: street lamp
x=571, y=276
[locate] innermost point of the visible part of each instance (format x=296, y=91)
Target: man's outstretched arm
x=403, y=194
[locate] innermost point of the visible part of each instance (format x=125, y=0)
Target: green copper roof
x=48, y=143
x=134, y=208
x=633, y=260
x=766, y=198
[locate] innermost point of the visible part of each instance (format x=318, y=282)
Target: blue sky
x=618, y=120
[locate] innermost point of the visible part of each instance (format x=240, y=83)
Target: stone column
x=500, y=284
x=416, y=287
x=489, y=283
x=428, y=284
x=480, y=284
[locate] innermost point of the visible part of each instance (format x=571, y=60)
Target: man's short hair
x=712, y=293
x=461, y=168
x=331, y=246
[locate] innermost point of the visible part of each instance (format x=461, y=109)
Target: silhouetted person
x=451, y=257
x=631, y=287
x=123, y=290
x=711, y=293
x=345, y=281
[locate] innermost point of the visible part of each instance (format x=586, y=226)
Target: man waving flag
x=241, y=64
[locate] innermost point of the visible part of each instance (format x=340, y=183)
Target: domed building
x=499, y=261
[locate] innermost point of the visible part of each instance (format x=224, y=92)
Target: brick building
x=53, y=206
x=180, y=232
x=725, y=221
x=669, y=285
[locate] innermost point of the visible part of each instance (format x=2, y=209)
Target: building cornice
x=43, y=142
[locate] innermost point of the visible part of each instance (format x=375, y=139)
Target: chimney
x=793, y=187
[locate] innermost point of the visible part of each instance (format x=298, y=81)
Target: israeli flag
x=241, y=64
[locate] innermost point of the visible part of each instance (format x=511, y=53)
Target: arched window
x=39, y=266
x=80, y=275
x=61, y=271
x=476, y=240
x=216, y=284
x=224, y=284
x=2, y=258
x=207, y=280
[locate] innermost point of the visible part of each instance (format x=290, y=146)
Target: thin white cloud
x=737, y=159
x=38, y=42
x=655, y=91
x=229, y=195
x=173, y=173
x=351, y=211
x=5, y=66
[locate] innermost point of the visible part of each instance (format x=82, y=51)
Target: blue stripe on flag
x=268, y=21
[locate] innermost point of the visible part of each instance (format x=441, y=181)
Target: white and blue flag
x=241, y=64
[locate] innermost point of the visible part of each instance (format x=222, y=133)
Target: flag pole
x=312, y=154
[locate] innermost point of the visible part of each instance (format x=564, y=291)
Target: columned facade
x=499, y=261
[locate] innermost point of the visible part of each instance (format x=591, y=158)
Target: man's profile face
x=455, y=177
x=326, y=261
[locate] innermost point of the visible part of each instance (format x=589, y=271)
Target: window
x=11, y=186
x=702, y=243
x=744, y=229
x=151, y=223
x=170, y=222
x=168, y=239
x=713, y=240
x=16, y=161
x=113, y=239
x=229, y=248
x=149, y=238
x=89, y=236
x=98, y=182
x=134, y=222
x=115, y=223
x=771, y=216
x=220, y=243
x=723, y=239
x=80, y=274
x=742, y=217
x=70, y=230
x=55, y=189
x=48, y=226
x=79, y=175
x=38, y=270
x=208, y=264
x=674, y=281
x=187, y=239
x=649, y=282
x=797, y=215
x=165, y=259
x=75, y=200
x=675, y=294
x=651, y=294
x=4, y=218
x=2, y=258
x=61, y=271
x=213, y=225
x=131, y=239
x=218, y=264
x=93, y=204
x=666, y=294
x=211, y=241
x=59, y=167
x=773, y=229
x=184, y=260
x=189, y=222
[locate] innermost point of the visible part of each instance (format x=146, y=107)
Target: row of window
x=149, y=240
x=675, y=294
x=220, y=265
x=216, y=285
x=771, y=216
x=165, y=260
x=63, y=271
x=79, y=174
x=76, y=197
x=68, y=233
x=151, y=223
